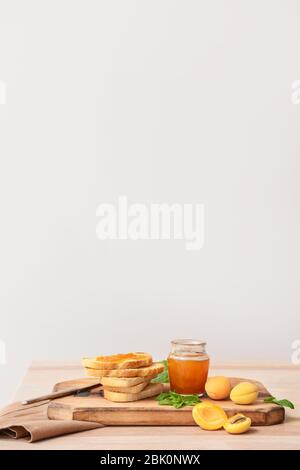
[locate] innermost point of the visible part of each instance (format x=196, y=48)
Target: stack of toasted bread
x=125, y=377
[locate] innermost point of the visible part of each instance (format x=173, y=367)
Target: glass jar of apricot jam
x=188, y=365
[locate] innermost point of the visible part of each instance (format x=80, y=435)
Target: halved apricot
x=209, y=416
x=237, y=424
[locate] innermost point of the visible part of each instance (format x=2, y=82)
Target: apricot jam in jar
x=188, y=365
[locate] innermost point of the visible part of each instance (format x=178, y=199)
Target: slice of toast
x=150, y=391
x=146, y=372
x=118, y=361
x=122, y=382
x=134, y=389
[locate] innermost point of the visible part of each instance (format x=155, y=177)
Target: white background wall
x=163, y=101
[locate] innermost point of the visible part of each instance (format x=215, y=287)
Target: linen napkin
x=31, y=422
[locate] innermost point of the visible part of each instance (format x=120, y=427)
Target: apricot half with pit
x=218, y=388
x=244, y=393
x=237, y=424
x=209, y=416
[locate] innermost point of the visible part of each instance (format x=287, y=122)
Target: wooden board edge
x=274, y=415
x=144, y=417
x=150, y=417
x=59, y=411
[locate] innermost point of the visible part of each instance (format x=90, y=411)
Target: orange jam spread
x=121, y=357
x=188, y=374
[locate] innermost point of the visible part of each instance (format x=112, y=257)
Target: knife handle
x=59, y=394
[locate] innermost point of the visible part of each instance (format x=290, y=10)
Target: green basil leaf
x=176, y=400
x=269, y=399
x=284, y=402
x=163, y=377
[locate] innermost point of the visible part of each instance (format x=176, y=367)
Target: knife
x=60, y=393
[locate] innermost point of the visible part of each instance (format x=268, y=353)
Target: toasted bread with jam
x=118, y=361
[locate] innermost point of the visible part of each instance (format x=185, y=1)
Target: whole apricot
x=244, y=393
x=218, y=388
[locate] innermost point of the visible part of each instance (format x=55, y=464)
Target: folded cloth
x=31, y=422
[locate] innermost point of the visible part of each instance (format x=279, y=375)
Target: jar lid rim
x=189, y=342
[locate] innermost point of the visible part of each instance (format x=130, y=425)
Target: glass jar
x=188, y=365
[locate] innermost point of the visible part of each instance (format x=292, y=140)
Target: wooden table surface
x=282, y=380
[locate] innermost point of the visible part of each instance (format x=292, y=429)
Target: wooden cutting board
x=91, y=406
